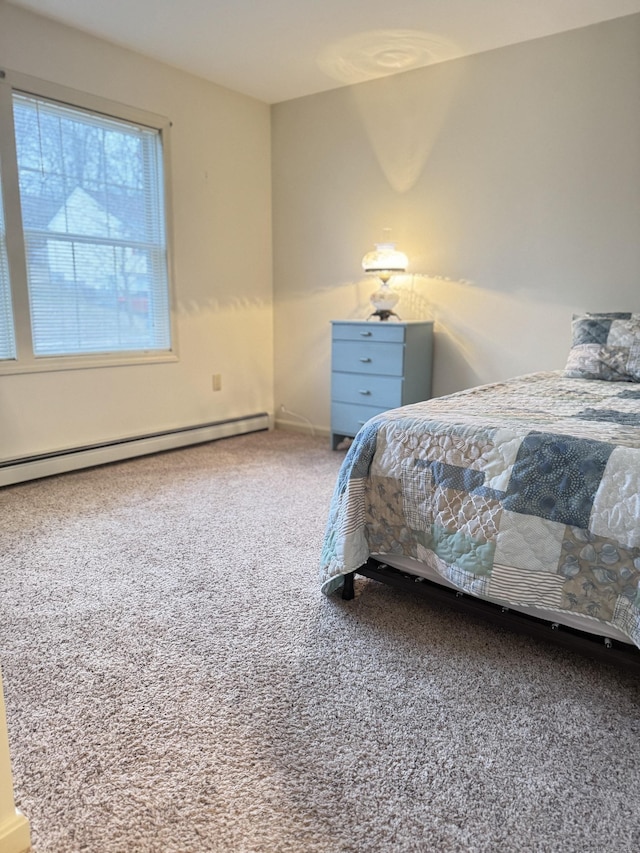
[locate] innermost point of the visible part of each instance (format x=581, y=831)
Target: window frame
x=26, y=361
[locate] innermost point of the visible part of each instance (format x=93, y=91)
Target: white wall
x=220, y=165
x=510, y=178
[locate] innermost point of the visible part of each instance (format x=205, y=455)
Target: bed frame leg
x=347, y=589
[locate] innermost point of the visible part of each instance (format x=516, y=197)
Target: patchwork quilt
x=525, y=492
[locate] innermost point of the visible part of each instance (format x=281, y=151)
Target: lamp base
x=383, y=314
x=384, y=300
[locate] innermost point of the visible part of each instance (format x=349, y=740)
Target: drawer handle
x=365, y=360
x=366, y=393
x=366, y=334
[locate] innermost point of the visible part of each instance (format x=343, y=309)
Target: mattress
x=588, y=624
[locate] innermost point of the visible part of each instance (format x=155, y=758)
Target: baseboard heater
x=62, y=461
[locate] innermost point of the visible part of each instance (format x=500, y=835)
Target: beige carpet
x=176, y=683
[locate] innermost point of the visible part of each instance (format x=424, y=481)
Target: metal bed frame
x=593, y=646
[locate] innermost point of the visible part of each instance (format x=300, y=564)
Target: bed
x=519, y=499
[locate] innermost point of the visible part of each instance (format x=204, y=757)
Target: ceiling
x=275, y=50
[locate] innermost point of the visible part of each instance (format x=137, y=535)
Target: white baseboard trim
x=60, y=462
x=297, y=426
x=15, y=834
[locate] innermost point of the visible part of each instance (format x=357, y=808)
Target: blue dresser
x=374, y=367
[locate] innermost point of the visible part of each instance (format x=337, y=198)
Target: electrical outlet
x=216, y=382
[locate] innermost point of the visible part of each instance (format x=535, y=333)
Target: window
x=91, y=284
x=7, y=340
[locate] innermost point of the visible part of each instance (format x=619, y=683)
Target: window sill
x=50, y=364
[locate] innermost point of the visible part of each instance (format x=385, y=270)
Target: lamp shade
x=385, y=258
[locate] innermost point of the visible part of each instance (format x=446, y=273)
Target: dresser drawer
x=368, y=357
x=386, y=332
x=382, y=391
x=347, y=418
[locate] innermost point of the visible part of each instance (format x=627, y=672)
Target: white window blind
x=7, y=339
x=91, y=192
